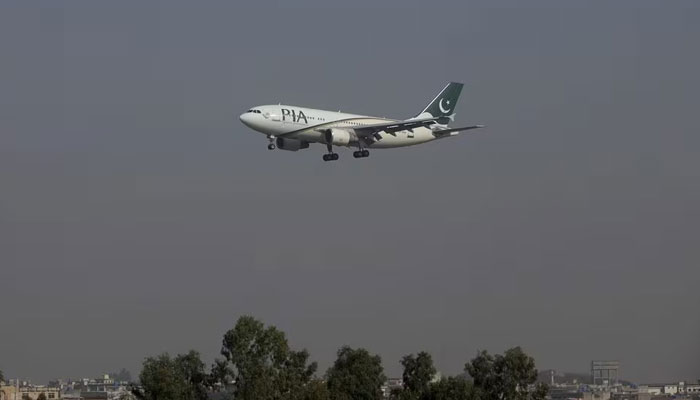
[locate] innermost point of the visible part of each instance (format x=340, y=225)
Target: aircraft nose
x=245, y=118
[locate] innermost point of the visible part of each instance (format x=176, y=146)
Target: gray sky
x=138, y=215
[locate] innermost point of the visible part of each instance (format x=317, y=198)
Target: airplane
x=294, y=128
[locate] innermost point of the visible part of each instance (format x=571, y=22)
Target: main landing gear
x=331, y=156
x=360, y=153
x=271, y=146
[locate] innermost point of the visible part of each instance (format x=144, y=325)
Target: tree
x=2, y=377
x=418, y=371
x=262, y=364
x=510, y=376
x=191, y=368
x=316, y=389
x=42, y=396
x=451, y=388
x=355, y=375
x=295, y=374
x=126, y=395
x=166, y=378
x=220, y=375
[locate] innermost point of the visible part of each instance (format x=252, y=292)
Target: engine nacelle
x=291, y=144
x=339, y=137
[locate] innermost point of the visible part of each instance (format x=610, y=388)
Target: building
x=631, y=396
x=596, y=395
x=390, y=385
x=605, y=373
x=671, y=389
x=693, y=388
x=559, y=391
x=94, y=396
x=102, y=388
x=103, y=384
x=28, y=392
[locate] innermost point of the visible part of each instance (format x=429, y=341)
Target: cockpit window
x=254, y=111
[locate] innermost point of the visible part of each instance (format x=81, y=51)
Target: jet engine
x=338, y=137
x=291, y=144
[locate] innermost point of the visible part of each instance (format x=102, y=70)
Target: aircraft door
x=272, y=115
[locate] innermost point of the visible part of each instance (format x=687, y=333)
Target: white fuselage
x=307, y=124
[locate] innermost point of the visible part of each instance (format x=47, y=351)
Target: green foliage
x=510, y=376
x=258, y=364
x=418, y=374
x=220, y=375
x=263, y=367
x=295, y=374
x=192, y=369
x=42, y=396
x=418, y=371
x=451, y=388
x=316, y=389
x=166, y=378
x=355, y=375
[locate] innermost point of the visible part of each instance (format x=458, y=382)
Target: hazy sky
x=138, y=215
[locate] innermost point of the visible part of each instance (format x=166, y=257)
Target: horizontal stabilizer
x=453, y=130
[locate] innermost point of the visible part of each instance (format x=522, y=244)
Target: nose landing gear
x=271, y=146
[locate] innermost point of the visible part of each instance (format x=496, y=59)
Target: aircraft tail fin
x=443, y=105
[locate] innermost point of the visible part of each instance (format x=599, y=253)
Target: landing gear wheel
x=360, y=153
x=271, y=139
x=335, y=156
x=330, y=157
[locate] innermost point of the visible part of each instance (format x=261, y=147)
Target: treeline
x=258, y=364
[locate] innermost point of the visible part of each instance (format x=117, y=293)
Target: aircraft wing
x=371, y=133
x=373, y=130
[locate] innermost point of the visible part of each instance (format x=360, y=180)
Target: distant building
x=652, y=389
x=565, y=392
x=671, y=389
x=28, y=392
x=94, y=396
x=693, y=388
x=103, y=384
x=602, y=395
x=605, y=373
x=391, y=384
x=102, y=388
x=631, y=396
